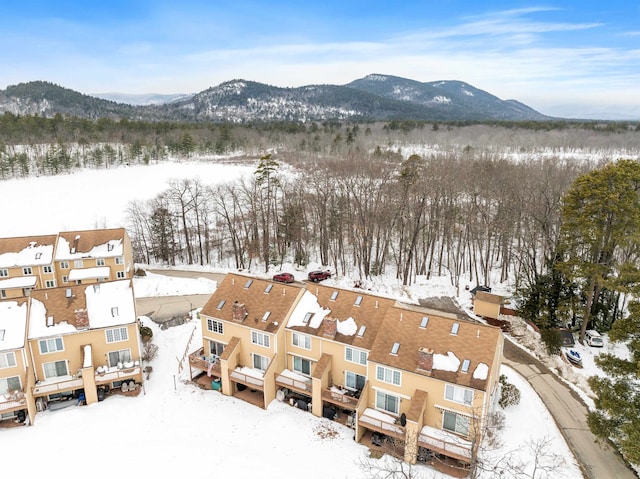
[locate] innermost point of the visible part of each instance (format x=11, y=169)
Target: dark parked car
x=316, y=276
x=284, y=277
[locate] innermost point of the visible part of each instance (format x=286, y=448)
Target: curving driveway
x=598, y=460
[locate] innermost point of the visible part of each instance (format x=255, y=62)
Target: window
x=119, y=259
x=55, y=369
x=334, y=295
x=358, y=301
x=354, y=381
x=301, y=340
x=48, y=269
x=114, y=311
x=100, y=262
x=458, y=394
x=122, y=356
x=3, y=293
x=10, y=384
x=465, y=366
x=2, y=333
x=388, y=375
x=64, y=264
x=266, y=315
x=395, y=348
x=267, y=290
x=65, y=279
x=424, y=322
x=27, y=271
x=248, y=283
x=355, y=356
x=117, y=334
x=301, y=365
x=120, y=274
x=260, y=338
x=216, y=348
x=78, y=263
x=307, y=317
x=4, y=273
x=454, y=328
x=387, y=402
x=221, y=304
x=455, y=423
x=361, y=331
x=215, y=326
x=260, y=362
x=7, y=360
x=38, y=255
x=51, y=345
x=50, y=283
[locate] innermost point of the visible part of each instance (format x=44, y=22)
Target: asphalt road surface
x=598, y=460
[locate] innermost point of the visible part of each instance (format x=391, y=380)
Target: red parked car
x=316, y=276
x=284, y=277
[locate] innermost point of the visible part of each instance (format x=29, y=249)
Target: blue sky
x=563, y=58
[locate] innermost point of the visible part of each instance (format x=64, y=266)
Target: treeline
x=367, y=214
x=35, y=145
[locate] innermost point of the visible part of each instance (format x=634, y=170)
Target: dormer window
x=266, y=315
x=248, y=283
x=267, y=290
x=361, y=331
x=221, y=304
x=395, y=348
x=454, y=328
x=424, y=322
x=334, y=295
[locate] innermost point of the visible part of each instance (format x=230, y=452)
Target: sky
x=570, y=58
x=175, y=429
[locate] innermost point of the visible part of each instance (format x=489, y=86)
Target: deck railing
x=460, y=450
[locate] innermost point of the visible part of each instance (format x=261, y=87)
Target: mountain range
x=372, y=98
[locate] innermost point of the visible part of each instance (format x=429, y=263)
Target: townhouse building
x=424, y=379
x=66, y=258
x=80, y=342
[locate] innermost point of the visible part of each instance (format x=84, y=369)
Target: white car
x=593, y=338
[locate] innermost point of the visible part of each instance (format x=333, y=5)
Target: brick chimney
x=425, y=360
x=239, y=312
x=329, y=327
x=82, y=318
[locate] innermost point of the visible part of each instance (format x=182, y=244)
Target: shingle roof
x=488, y=297
x=368, y=313
x=473, y=341
x=279, y=301
x=85, y=241
x=23, y=251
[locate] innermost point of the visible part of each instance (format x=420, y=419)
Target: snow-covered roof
x=308, y=304
x=33, y=254
x=13, y=323
x=89, y=244
x=55, y=311
x=89, y=273
x=446, y=362
x=18, y=282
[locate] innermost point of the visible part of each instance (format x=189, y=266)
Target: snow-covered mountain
x=373, y=98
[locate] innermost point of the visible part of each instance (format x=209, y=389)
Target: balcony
x=57, y=385
x=344, y=398
x=446, y=443
x=292, y=380
x=121, y=372
x=382, y=423
x=209, y=364
x=253, y=378
x=12, y=401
